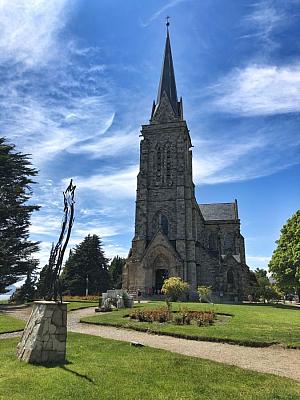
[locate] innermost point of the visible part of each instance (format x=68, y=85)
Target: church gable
x=160, y=245
x=164, y=111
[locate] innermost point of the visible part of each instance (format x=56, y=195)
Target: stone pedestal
x=44, y=338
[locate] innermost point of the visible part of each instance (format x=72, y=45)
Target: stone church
x=174, y=235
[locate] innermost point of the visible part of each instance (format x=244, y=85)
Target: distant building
x=174, y=235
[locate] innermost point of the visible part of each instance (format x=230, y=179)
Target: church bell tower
x=165, y=223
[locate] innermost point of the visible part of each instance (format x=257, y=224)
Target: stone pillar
x=44, y=337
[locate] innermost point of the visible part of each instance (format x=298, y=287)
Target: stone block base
x=45, y=335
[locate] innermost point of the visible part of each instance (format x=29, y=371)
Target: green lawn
x=106, y=369
x=10, y=324
x=76, y=305
x=250, y=324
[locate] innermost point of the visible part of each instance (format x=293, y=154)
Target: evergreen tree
x=115, y=271
x=86, y=265
x=27, y=291
x=285, y=261
x=42, y=286
x=16, y=250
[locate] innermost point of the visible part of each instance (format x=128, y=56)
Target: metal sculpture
x=54, y=289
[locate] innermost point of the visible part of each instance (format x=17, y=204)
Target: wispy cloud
x=45, y=112
x=110, y=145
x=29, y=28
x=266, y=17
x=259, y=90
x=257, y=261
x=54, y=94
x=246, y=154
x=116, y=184
x=162, y=10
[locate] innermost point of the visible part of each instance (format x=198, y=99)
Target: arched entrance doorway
x=160, y=276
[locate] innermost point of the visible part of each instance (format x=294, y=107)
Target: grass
x=10, y=324
x=111, y=370
x=76, y=305
x=254, y=325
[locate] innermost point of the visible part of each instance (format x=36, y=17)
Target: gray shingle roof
x=219, y=211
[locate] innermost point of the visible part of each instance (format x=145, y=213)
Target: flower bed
x=157, y=315
x=183, y=317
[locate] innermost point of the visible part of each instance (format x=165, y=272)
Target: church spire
x=167, y=83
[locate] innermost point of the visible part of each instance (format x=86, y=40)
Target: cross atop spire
x=167, y=22
x=167, y=83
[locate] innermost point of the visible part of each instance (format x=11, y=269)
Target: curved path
x=275, y=359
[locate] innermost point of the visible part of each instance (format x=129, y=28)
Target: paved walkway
x=275, y=359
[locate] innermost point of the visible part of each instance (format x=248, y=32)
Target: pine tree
x=42, y=286
x=115, y=271
x=27, y=292
x=16, y=249
x=86, y=266
x=285, y=261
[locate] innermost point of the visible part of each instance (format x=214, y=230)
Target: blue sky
x=79, y=77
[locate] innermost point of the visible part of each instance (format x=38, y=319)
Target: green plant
x=285, y=262
x=174, y=288
x=244, y=324
x=88, y=376
x=156, y=315
x=204, y=293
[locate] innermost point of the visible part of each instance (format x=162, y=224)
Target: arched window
x=158, y=162
x=160, y=222
x=229, y=242
x=212, y=241
x=168, y=174
x=164, y=224
x=230, y=277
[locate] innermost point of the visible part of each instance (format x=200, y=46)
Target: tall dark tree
x=27, y=291
x=42, y=284
x=115, y=270
x=285, y=261
x=16, y=177
x=86, y=266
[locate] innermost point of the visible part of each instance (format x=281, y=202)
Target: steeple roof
x=167, y=80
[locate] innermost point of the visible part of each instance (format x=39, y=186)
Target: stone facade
x=44, y=338
x=174, y=235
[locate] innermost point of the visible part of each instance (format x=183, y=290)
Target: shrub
x=92, y=298
x=158, y=315
x=204, y=293
x=183, y=317
x=174, y=287
x=178, y=319
x=203, y=318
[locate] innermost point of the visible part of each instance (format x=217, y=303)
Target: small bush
x=174, y=288
x=91, y=298
x=159, y=315
x=183, y=317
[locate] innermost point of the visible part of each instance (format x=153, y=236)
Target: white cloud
x=161, y=11
x=28, y=29
x=212, y=159
x=262, y=22
x=115, y=184
x=259, y=90
x=53, y=94
x=111, y=145
x=44, y=125
x=112, y=250
x=257, y=261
